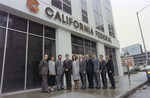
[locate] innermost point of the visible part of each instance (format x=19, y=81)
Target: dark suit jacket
x=68, y=65
x=89, y=66
x=82, y=66
x=110, y=66
x=43, y=67
x=103, y=66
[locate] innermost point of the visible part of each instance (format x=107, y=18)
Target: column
x=120, y=69
x=100, y=49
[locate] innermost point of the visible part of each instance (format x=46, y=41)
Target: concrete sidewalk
x=121, y=87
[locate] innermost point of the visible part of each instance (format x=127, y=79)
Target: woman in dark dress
x=52, y=74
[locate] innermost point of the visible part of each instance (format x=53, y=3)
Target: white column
x=120, y=69
x=100, y=49
x=63, y=45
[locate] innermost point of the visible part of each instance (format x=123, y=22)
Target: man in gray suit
x=82, y=70
x=43, y=70
x=96, y=71
x=103, y=71
x=60, y=73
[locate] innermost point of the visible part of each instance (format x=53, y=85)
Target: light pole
x=137, y=13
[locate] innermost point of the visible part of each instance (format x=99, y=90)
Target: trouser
x=68, y=79
x=90, y=80
x=111, y=77
x=104, y=79
x=83, y=79
x=60, y=81
x=44, y=87
x=97, y=79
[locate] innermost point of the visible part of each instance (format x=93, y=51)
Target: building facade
x=31, y=28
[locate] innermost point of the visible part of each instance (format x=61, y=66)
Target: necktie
x=80, y=62
x=87, y=60
x=100, y=62
x=66, y=61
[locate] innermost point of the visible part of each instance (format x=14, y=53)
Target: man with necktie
x=110, y=70
x=82, y=71
x=60, y=73
x=68, y=70
x=96, y=71
x=103, y=71
x=89, y=71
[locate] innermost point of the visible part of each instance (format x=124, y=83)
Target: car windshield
x=148, y=62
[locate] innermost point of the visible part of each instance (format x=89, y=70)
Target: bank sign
x=68, y=21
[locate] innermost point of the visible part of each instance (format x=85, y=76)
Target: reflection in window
x=3, y=18
x=17, y=23
x=35, y=50
x=14, y=72
x=98, y=15
x=2, y=43
x=35, y=28
x=64, y=5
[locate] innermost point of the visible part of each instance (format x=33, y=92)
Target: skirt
x=51, y=80
x=76, y=76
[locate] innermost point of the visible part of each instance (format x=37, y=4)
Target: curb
x=128, y=92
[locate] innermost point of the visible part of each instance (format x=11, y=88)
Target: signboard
x=128, y=60
x=131, y=50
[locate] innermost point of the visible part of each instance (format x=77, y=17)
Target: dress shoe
x=58, y=89
x=47, y=92
x=84, y=88
x=112, y=87
x=98, y=87
x=92, y=87
x=81, y=88
x=104, y=88
x=89, y=87
x=62, y=89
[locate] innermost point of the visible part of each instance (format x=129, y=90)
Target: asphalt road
x=143, y=92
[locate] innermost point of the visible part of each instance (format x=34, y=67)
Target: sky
x=126, y=23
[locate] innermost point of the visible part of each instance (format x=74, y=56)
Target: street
x=142, y=92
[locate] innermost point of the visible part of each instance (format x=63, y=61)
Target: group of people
x=79, y=68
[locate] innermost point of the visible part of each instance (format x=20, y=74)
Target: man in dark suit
x=89, y=71
x=43, y=70
x=82, y=71
x=60, y=73
x=103, y=71
x=68, y=70
x=110, y=70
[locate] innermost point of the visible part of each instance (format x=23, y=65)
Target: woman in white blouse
x=52, y=74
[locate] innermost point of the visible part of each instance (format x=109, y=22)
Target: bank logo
x=32, y=4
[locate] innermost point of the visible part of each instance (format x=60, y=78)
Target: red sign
x=129, y=61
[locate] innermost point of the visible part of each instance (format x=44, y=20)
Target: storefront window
x=112, y=54
x=18, y=48
x=2, y=43
x=49, y=32
x=3, y=18
x=14, y=72
x=35, y=28
x=35, y=50
x=88, y=47
x=17, y=23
